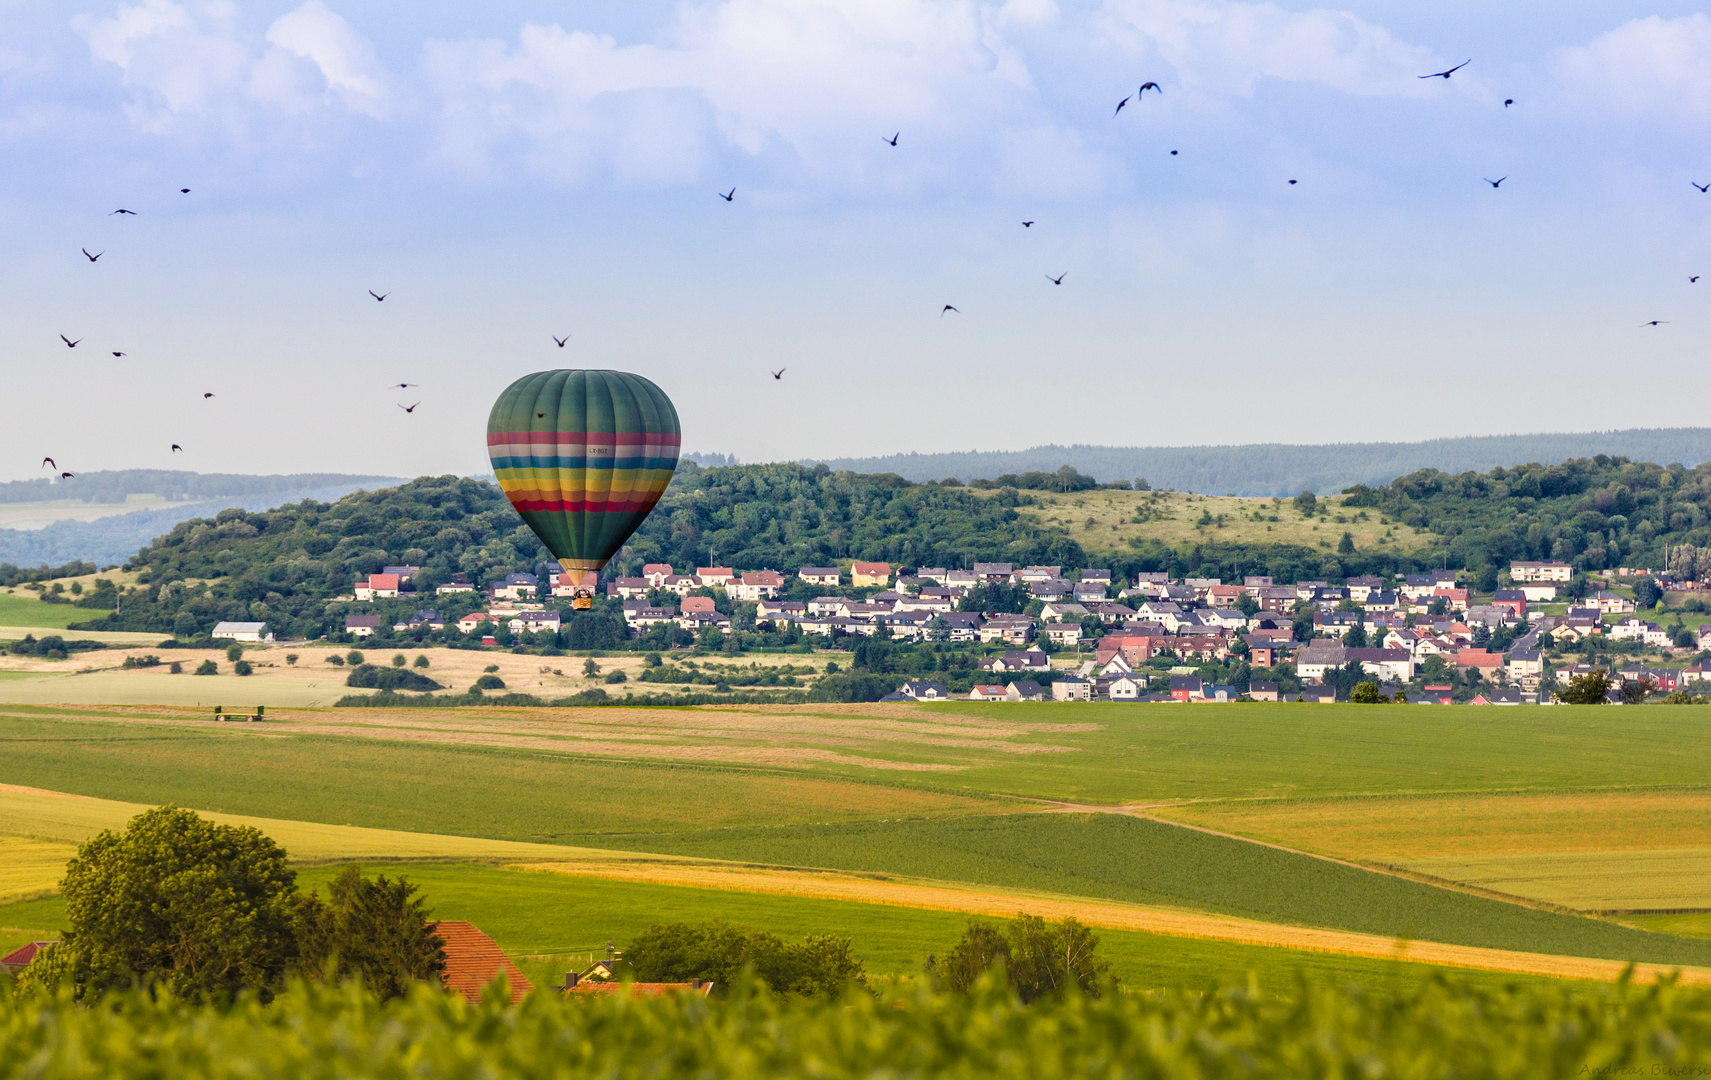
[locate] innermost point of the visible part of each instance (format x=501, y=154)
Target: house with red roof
x=19, y=959
x=473, y=960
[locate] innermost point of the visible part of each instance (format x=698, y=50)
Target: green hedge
x=1444, y=1029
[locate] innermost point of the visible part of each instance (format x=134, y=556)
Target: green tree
x=399, y=660
x=1647, y=592
x=205, y=909
x=822, y=966
x=1587, y=689
x=354, y=658
x=1041, y=959
x=234, y=652
x=243, y=667
x=1306, y=503
x=590, y=668
x=291, y=659
x=981, y=947
x=1356, y=637
x=1346, y=546
x=1365, y=693
x=421, y=660
x=207, y=667
x=376, y=930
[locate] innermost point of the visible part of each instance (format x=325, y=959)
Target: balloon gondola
x=584, y=456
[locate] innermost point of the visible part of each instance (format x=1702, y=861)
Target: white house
x=1541, y=571
x=242, y=631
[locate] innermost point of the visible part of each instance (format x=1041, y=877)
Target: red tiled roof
x=641, y=989
x=473, y=960
x=21, y=957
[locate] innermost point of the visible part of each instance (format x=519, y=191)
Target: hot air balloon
x=583, y=456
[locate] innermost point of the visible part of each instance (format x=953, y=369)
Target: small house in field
x=987, y=693
x=19, y=959
x=242, y=631
x=473, y=960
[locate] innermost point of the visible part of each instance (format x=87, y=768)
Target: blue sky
x=512, y=171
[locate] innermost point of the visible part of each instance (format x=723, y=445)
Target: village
x=1087, y=637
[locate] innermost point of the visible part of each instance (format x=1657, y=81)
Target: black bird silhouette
x=892, y=140
x=1495, y=182
x=1027, y=224
x=779, y=374
x=1173, y=153
x=205, y=397
x=1120, y=105
x=121, y=354
x=67, y=475
x=1508, y=102
x=1655, y=322
x=1703, y=188
x=184, y=191
x=133, y=213
x=1144, y=88
x=1059, y=279
x=727, y=196
x=402, y=386
x=90, y=257
x=177, y=449
x=948, y=308
x=49, y=461
x=409, y=408
x=378, y=296
x=538, y=416
x=70, y=344
x=1447, y=74
x=1692, y=279
x=1292, y=181
x=559, y=341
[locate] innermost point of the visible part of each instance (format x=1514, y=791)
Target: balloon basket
x=582, y=603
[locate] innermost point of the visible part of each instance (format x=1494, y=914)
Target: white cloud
x=1653, y=67
x=1221, y=48
x=345, y=58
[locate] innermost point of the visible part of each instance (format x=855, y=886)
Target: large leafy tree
x=1041, y=959
x=824, y=965
x=205, y=910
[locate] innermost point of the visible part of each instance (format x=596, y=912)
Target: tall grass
x=1443, y=1028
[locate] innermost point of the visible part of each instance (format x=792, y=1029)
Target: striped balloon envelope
x=583, y=456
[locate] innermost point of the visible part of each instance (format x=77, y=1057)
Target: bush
x=290, y=659
x=242, y=667
x=1041, y=959
x=354, y=658
x=399, y=660
x=141, y=661
x=421, y=660
x=207, y=667
x=490, y=682
x=1365, y=693
x=1588, y=689
x=822, y=966
x=370, y=677
x=616, y=677
x=234, y=652
x=491, y=668
x=176, y=669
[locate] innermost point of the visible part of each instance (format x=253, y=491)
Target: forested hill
x=114, y=485
x=283, y=565
x=1282, y=469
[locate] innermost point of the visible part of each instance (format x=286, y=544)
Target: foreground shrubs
x=1443, y=1029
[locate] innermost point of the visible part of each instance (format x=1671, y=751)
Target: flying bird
x=402, y=386
x=412, y=408
x=559, y=341
x=49, y=461
x=1703, y=188
x=727, y=196
x=892, y=140
x=133, y=213
x=90, y=257
x=1059, y=279
x=1655, y=322
x=1447, y=74
x=205, y=397
x=1508, y=102
x=177, y=449
x=779, y=374
x=1693, y=279
x=1120, y=105
x=121, y=354
x=70, y=344
x=378, y=296
x=948, y=308
x=1144, y=88
x=67, y=475
x=184, y=191
x=1173, y=153
x=1495, y=182
x=1027, y=224
x=1292, y=181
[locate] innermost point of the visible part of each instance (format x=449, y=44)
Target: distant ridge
x=1284, y=469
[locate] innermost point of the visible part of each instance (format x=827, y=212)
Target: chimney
x=570, y=980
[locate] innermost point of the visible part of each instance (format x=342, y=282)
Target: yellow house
x=867, y=575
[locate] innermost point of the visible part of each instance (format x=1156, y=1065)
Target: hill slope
x=1281, y=469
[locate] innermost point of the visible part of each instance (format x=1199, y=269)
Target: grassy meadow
x=1110, y=520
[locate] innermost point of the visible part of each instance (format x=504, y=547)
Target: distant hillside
x=113, y=485
x=1283, y=469
x=109, y=541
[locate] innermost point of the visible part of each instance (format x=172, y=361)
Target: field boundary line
x=826, y=885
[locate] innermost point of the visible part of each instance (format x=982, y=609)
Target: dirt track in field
x=879, y=889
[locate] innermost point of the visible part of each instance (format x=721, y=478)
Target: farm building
x=19, y=959
x=242, y=631
x=473, y=960
x=362, y=625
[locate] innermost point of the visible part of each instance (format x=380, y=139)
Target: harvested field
x=1650, y=880
x=31, y=867
x=1395, y=829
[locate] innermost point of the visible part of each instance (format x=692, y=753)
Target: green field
x=22, y=610
x=1113, y=857
x=551, y=923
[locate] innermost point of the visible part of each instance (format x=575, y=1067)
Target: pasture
x=19, y=608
